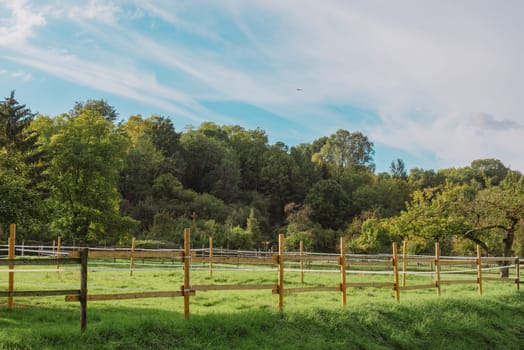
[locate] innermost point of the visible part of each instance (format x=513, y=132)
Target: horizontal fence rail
x=440, y=269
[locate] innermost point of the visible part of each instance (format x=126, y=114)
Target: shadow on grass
x=496, y=323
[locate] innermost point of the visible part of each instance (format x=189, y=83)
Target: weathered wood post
x=396, y=286
x=84, y=253
x=58, y=252
x=479, y=269
x=280, y=272
x=132, y=257
x=404, y=261
x=301, y=262
x=437, y=268
x=11, y=255
x=210, y=256
x=343, y=270
x=517, y=271
x=187, y=271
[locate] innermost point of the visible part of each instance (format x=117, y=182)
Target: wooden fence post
x=84, y=253
x=479, y=269
x=210, y=256
x=132, y=258
x=404, y=261
x=301, y=262
x=396, y=286
x=58, y=252
x=343, y=270
x=280, y=272
x=517, y=271
x=187, y=272
x=11, y=255
x=437, y=268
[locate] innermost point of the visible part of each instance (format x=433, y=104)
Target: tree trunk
x=508, y=244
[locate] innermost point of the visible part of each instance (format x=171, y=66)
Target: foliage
x=85, y=155
x=83, y=175
x=328, y=202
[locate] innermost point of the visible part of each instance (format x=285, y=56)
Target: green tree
x=328, y=202
x=345, y=150
x=101, y=107
x=210, y=166
x=398, y=169
x=86, y=153
x=253, y=227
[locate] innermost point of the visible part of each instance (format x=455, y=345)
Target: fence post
x=517, y=271
x=343, y=270
x=132, y=258
x=11, y=255
x=437, y=268
x=210, y=256
x=84, y=253
x=479, y=269
x=396, y=286
x=280, y=272
x=301, y=262
x=404, y=261
x=58, y=252
x=187, y=272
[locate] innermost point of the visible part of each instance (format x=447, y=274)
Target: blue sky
x=435, y=83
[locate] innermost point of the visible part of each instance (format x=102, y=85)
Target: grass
x=459, y=319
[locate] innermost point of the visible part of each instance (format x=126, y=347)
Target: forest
x=93, y=178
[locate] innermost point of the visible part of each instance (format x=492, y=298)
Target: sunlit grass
x=459, y=319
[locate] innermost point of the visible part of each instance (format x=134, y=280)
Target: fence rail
x=346, y=264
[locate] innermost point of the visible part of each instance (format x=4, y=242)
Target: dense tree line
x=92, y=179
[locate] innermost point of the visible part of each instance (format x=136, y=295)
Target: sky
x=436, y=83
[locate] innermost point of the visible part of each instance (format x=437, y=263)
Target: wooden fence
x=346, y=264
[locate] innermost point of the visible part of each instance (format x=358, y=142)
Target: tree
x=489, y=217
x=328, y=203
x=398, y=169
x=345, y=150
x=102, y=107
x=252, y=226
x=86, y=153
x=278, y=178
x=210, y=166
x=492, y=170
x=250, y=146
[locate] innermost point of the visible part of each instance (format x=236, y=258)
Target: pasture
x=239, y=319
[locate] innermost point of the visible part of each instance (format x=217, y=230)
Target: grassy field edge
x=446, y=323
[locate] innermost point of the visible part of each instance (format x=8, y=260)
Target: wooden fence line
x=187, y=257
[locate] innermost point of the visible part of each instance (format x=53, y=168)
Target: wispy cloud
x=20, y=22
x=453, y=90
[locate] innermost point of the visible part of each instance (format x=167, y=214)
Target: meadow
x=372, y=319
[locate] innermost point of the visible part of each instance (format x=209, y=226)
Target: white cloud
x=442, y=77
x=21, y=74
x=21, y=23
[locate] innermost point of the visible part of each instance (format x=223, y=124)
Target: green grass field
x=459, y=319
